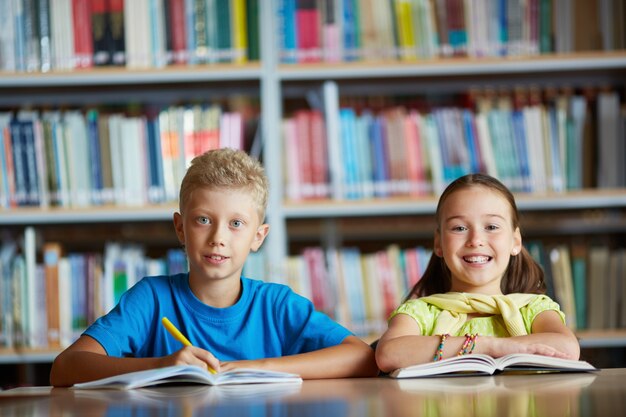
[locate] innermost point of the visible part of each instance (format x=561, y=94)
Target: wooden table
x=582, y=394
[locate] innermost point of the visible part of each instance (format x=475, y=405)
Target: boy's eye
x=459, y=228
x=203, y=220
x=236, y=223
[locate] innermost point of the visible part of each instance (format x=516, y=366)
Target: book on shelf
x=480, y=364
x=189, y=374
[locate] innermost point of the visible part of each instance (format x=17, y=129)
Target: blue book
x=380, y=159
x=19, y=163
x=93, y=141
x=191, y=33
x=155, y=162
x=475, y=161
x=30, y=153
x=5, y=198
x=364, y=154
x=521, y=148
x=351, y=264
x=502, y=26
x=59, y=161
x=79, y=291
x=452, y=167
x=350, y=30
x=347, y=122
x=287, y=31
x=579, y=281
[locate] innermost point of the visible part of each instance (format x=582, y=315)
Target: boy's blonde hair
x=226, y=168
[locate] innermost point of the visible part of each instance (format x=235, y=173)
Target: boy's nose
x=217, y=237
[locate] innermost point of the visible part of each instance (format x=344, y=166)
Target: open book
x=189, y=374
x=477, y=363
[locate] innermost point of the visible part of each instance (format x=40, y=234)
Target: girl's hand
x=191, y=355
x=500, y=346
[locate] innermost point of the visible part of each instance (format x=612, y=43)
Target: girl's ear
x=517, y=242
x=437, y=245
x=178, y=226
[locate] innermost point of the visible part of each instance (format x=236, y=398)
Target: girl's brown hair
x=523, y=275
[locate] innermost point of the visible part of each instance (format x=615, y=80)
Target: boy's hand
x=230, y=365
x=192, y=355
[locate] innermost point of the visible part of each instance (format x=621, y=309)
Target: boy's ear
x=259, y=236
x=178, y=226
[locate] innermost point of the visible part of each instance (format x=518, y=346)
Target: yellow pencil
x=179, y=336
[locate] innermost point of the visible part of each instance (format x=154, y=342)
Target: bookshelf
x=374, y=223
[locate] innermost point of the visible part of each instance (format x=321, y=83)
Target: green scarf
x=457, y=305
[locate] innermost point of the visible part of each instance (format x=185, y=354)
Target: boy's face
x=476, y=239
x=219, y=228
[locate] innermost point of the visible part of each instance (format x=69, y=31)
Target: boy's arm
x=86, y=360
x=350, y=358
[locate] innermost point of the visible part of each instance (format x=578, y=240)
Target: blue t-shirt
x=269, y=320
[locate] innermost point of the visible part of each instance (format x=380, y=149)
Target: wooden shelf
x=122, y=75
x=104, y=214
x=456, y=66
x=587, y=199
x=602, y=338
x=10, y=356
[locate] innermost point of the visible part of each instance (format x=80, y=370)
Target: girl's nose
x=474, y=239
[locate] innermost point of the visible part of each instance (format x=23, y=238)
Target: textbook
x=188, y=374
x=480, y=364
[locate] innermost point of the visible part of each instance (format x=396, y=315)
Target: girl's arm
x=86, y=360
x=550, y=337
x=350, y=358
x=402, y=345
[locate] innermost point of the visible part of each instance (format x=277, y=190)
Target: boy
x=231, y=321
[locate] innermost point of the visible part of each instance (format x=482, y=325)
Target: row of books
x=357, y=289
x=79, y=158
x=360, y=290
x=533, y=142
x=344, y=30
x=44, y=35
x=586, y=279
x=49, y=296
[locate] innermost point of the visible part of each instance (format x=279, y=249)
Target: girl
x=482, y=291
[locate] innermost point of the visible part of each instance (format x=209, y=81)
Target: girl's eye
x=492, y=227
x=203, y=220
x=236, y=223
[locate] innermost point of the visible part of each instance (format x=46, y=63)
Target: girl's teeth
x=477, y=259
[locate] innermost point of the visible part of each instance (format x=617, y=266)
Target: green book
x=252, y=21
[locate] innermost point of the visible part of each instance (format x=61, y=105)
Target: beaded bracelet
x=439, y=351
x=468, y=345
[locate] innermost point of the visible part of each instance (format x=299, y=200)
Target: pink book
x=83, y=46
x=308, y=31
x=303, y=133
x=292, y=162
x=178, y=30
x=319, y=155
